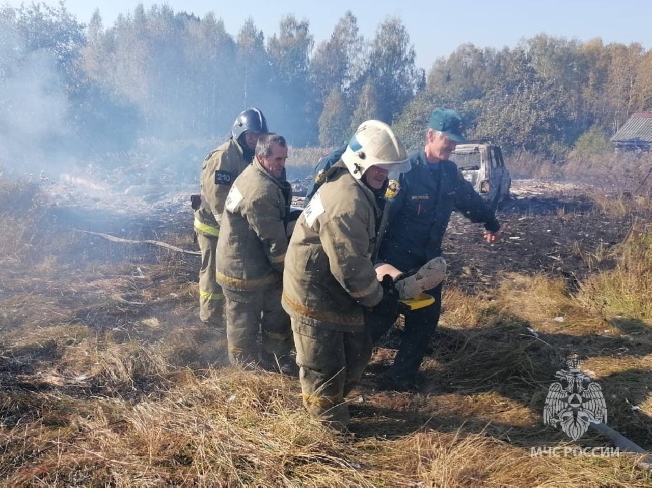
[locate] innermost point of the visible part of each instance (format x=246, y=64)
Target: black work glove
x=388, y=306
x=195, y=201
x=379, y=319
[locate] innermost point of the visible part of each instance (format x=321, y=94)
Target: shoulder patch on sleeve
x=393, y=187
x=314, y=209
x=321, y=177
x=223, y=177
x=233, y=199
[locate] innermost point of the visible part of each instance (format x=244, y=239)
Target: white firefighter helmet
x=374, y=144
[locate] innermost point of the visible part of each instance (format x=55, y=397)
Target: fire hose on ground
x=109, y=237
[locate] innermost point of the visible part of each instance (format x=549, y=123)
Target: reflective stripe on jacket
x=329, y=278
x=206, y=229
x=253, y=240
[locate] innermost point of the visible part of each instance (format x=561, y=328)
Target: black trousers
x=420, y=326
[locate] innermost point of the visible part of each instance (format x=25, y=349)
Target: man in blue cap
x=420, y=203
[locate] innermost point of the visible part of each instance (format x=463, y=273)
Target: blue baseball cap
x=449, y=122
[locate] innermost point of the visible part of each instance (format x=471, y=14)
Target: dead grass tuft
x=528, y=165
x=462, y=309
x=619, y=204
x=540, y=301
x=627, y=290
x=125, y=364
x=21, y=207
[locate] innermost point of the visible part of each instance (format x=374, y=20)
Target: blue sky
x=436, y=27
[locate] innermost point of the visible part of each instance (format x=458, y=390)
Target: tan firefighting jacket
x=329, y=277
x=253, y=241
x=220, y=169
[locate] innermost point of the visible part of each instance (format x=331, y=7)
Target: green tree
x=411, y=125
x=334, y=120
x=594, y=91
x=211, y=55
x=392, y=69
x=467, y=74
x=334, y=68
x=289, y=53
x=623, y=67
x=289, y=50
x=336, y=59
x=368, y=107
x=252, y=65
x=41, y=80
x=643, y=84
x=593, y=142
x=523, y=110
x=558, y=62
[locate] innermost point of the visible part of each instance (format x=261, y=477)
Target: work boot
x=246, y=362
x=286, y=365
x=389, y=382
x=427, y=277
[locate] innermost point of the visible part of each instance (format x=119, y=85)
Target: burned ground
x=108, y=378
x=550, y=228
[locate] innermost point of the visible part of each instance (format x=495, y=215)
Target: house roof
x=638, y=129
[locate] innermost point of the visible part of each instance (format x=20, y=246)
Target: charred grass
x=108, y=379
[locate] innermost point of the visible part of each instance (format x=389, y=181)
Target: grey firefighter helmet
x=374, y=144
x=251, y=119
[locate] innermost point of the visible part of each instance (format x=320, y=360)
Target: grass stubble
x=108, y=379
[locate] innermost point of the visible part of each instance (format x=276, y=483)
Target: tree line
x=170, y=75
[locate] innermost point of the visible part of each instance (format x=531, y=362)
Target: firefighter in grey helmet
x=220, y=168
x=329, y=279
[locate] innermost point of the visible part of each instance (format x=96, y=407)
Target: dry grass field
x=107, y=378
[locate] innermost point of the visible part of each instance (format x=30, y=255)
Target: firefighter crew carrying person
x=251, y=251
x=329, y=283
x=220, y=168
x=419, y=210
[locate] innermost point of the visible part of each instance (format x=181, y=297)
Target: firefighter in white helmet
x=329, y=280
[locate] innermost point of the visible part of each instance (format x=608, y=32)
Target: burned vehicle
x=300, y=187
x=482, y=164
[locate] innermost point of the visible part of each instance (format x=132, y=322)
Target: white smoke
x=33, y=105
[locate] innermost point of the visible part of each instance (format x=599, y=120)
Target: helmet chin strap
x=247, y=154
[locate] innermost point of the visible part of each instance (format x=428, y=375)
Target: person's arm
x=217, y=183
x=346, y=243
x=470, y=204
x=264, y=217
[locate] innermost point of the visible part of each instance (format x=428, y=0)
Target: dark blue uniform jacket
x=325, y=164
x=420, y=211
